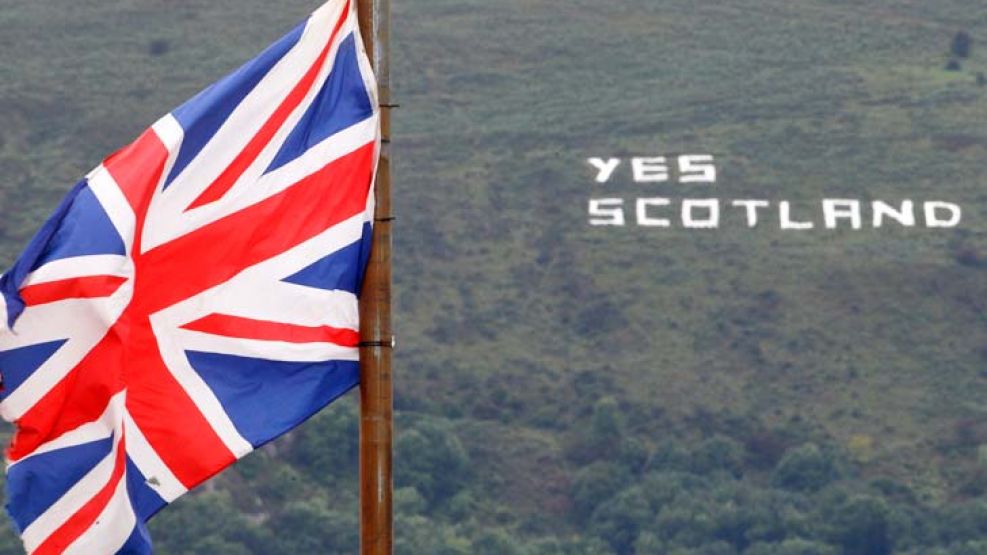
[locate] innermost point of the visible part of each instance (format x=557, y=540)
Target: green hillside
x=565, y=388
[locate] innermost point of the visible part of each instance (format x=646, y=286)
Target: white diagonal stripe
x=91, y=318
x=101, y=428
x=80, y=267
x=270, y=350
x=3, y=313
x=70, y=503
x=167, y=218
x=198, y=391
x=112, y=527
x=290, y=304
x=159, y=477
x=109, y=195
x=314, y=159
x=258, y=293
x=169, y=132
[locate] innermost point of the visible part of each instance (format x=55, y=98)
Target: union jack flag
x=195, y=296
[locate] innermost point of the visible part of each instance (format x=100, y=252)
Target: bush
x=495, y=542
x=328, y=447
x=206, y=523
x=607, y=426
x=665, y=488
x=686, y=523
x=806, y=468
x=419, y=535
x=794, y=546
x=969, y=548
x=159, y=47
x=715, y=548
x=310, y=527
x=962, y=45
x=966, y=522
x=862, y=526
x=647, y=542
x=719, y=453
x=433, y=461
x=594, y=484
x=407, y=501
x=619, y=520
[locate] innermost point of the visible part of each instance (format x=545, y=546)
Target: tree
x=418, y=535
x=969, y=548
x=607, y=426
x=793, y=546
x=688, y=522
x=407, y=501
x=715, y=548
x=309, y=526
x=861, y=525
x=594, y=484
x=665, y=488
x=718, y=453
x=10, y=544
x=962, y=45
x=620, y=519
x=433, y=461
x=963, y=522
x=327, y=447
x=647, y=542
x=495, y=541
x=204, y=523
x=806, y=468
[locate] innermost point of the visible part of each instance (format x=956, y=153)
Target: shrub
x=806, y=468
x=327, y=447
x=159, y=47
x=495, y=542
x=719, y=453
x=607, y=426
x=862, y=526
x=620, y=519
x=594, y=484
x=962, y=45
x=794, y=546
x=433, y=461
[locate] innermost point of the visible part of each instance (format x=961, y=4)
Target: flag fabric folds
x=194, y=297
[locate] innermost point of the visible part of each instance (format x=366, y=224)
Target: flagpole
x=376, y=389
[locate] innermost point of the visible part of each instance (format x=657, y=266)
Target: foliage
x=567, y=391
x=424, y=448
x=962, y=45
x=805, y=469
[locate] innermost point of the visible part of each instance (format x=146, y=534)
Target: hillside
x=578, y=389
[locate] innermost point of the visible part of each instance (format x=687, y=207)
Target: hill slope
x=565, y=388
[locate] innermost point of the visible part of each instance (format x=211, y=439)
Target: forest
x=569, y=389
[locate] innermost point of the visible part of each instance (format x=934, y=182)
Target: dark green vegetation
x=564, y=389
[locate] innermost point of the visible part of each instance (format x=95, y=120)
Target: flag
x=194, y=297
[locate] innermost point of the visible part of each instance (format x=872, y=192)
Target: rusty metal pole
x=376, y=389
